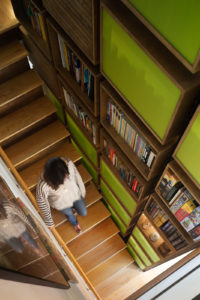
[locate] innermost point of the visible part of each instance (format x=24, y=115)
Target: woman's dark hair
x=55, y=171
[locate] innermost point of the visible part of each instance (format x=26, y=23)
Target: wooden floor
x=7, y=17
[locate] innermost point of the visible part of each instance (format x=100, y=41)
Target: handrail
x=53, y=229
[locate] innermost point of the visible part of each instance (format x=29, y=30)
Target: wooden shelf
x=162, y=152
x=147, y=186
x=142, y=80
x=80, y=20
x=24, y=19
x=195, y=67
x=95, y=122
x=54, y=30
x=186, y=153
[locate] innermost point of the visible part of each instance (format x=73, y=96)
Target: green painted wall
x=55, y=101
x=136, y=258
x=137, y=77
x=188, y=153
x=177, y=20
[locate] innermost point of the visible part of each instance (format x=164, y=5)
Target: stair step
x=107, y=269
x=101, y=253
x=120, y=285
x=30, y=174
x=25, y=118
x=13, y=90
x=96, y=214
x=11, y=53
x=93, y=238
x=35, y=144
x=86, y=177
x=92, y=196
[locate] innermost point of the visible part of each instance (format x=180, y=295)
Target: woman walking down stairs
x=30, y=134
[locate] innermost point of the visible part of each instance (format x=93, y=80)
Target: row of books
x=161, y=220
x=80, y=114
x=182, y=204
x=35, y=18
x=126, y=174
x=126, y=130
x=78, y=70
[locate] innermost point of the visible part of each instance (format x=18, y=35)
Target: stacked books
x=78, y=70
x=80, y=114
x=161, y=220
x=127, y=131
x=127, y=175
x=35, y=18
x=182, y=204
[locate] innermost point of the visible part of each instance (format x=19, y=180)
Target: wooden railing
x=53, y=229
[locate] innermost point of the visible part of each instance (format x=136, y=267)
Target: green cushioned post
x=137, y=77
x=118, y=222
x=139, y=251
x=188, y=153
x=144, y=243
x=55, y=101
x=118, y=188
x=135, y=257
x=115, y=204
x=177, y=21
x=86, y=163
x=82, y=140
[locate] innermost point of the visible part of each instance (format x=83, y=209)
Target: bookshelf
x=161, y=152
x=162, y=18
x=187, y=151
x=74, y=67
x=80, y=21
x=32, y=16
x=184, y=202
x=155, y=75
x=86, y=122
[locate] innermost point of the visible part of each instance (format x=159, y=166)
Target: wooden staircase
x=30, y=134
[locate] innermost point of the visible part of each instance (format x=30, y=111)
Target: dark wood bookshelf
x=80, y=20
x=19, y=9
x=78, y=122
x=162, y=152
x=147, y=186
x=54, y=31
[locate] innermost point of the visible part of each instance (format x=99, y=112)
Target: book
x=195, y=233
x=187, y=224
x=194, y=216
x=150, y=159
x=179, y=191
x=187, y=208
x=168, y=181
x=42, y=27
x=182, y=198
x=173, y=191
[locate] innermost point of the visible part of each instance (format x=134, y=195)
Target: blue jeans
x=81, y=209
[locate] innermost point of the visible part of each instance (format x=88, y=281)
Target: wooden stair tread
x=118, y=286
x=86, y=177
x=30, y=174
x=7, y=17
x=18, y=86
x=107, y=269
x=93, y=238
x=11, y=53
x=92, y=196
x=101, y=253
x=25, y=117
x=36, y=143
x=96, y=214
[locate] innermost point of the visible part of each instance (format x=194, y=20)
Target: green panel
x=86, y=163
x=137, y=77
x=115, y=218
x=139, y=251
x=177, y=20
x=136, y=258
x=188, y=153
x=115, y=203
x=142, y=240
x=120, y=191
x=55, y=101
x=82, y=140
